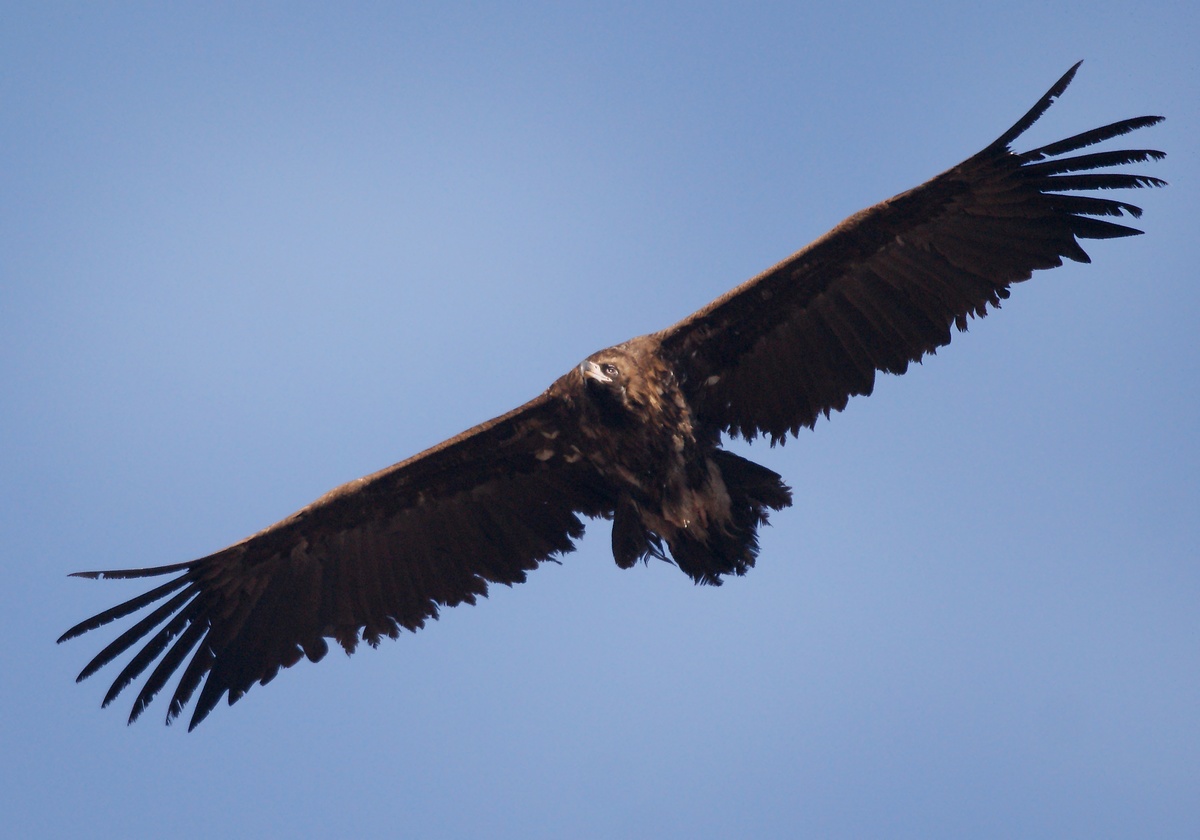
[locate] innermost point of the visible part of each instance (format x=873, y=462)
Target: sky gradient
x=252, y=251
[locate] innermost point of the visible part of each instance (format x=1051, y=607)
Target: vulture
x=632, y=434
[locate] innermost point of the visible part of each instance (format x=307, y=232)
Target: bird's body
x=673, y=483
x=632, y=434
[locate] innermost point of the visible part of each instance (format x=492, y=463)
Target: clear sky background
x=249, y=252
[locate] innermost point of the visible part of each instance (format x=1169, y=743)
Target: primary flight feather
x=632, y=434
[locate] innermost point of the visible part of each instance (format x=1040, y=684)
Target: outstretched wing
x=377, y=554
x=883, y=288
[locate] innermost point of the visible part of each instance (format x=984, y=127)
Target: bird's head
x=607, y=377
x=625, y=383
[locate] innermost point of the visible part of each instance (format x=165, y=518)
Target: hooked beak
x=591, y=370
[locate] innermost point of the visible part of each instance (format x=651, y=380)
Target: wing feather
x=882, y=289
x=130, y=606
x=1090, y=138
x=188, y=638
x=133, y=635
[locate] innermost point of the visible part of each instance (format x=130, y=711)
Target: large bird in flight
x=632, y=434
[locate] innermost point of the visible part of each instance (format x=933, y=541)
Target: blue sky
x=253, y=251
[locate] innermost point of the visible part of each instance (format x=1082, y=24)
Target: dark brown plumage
x=632, y=434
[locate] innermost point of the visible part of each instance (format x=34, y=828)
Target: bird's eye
x=608, y=370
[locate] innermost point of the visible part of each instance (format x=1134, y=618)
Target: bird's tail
x=753, y=491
